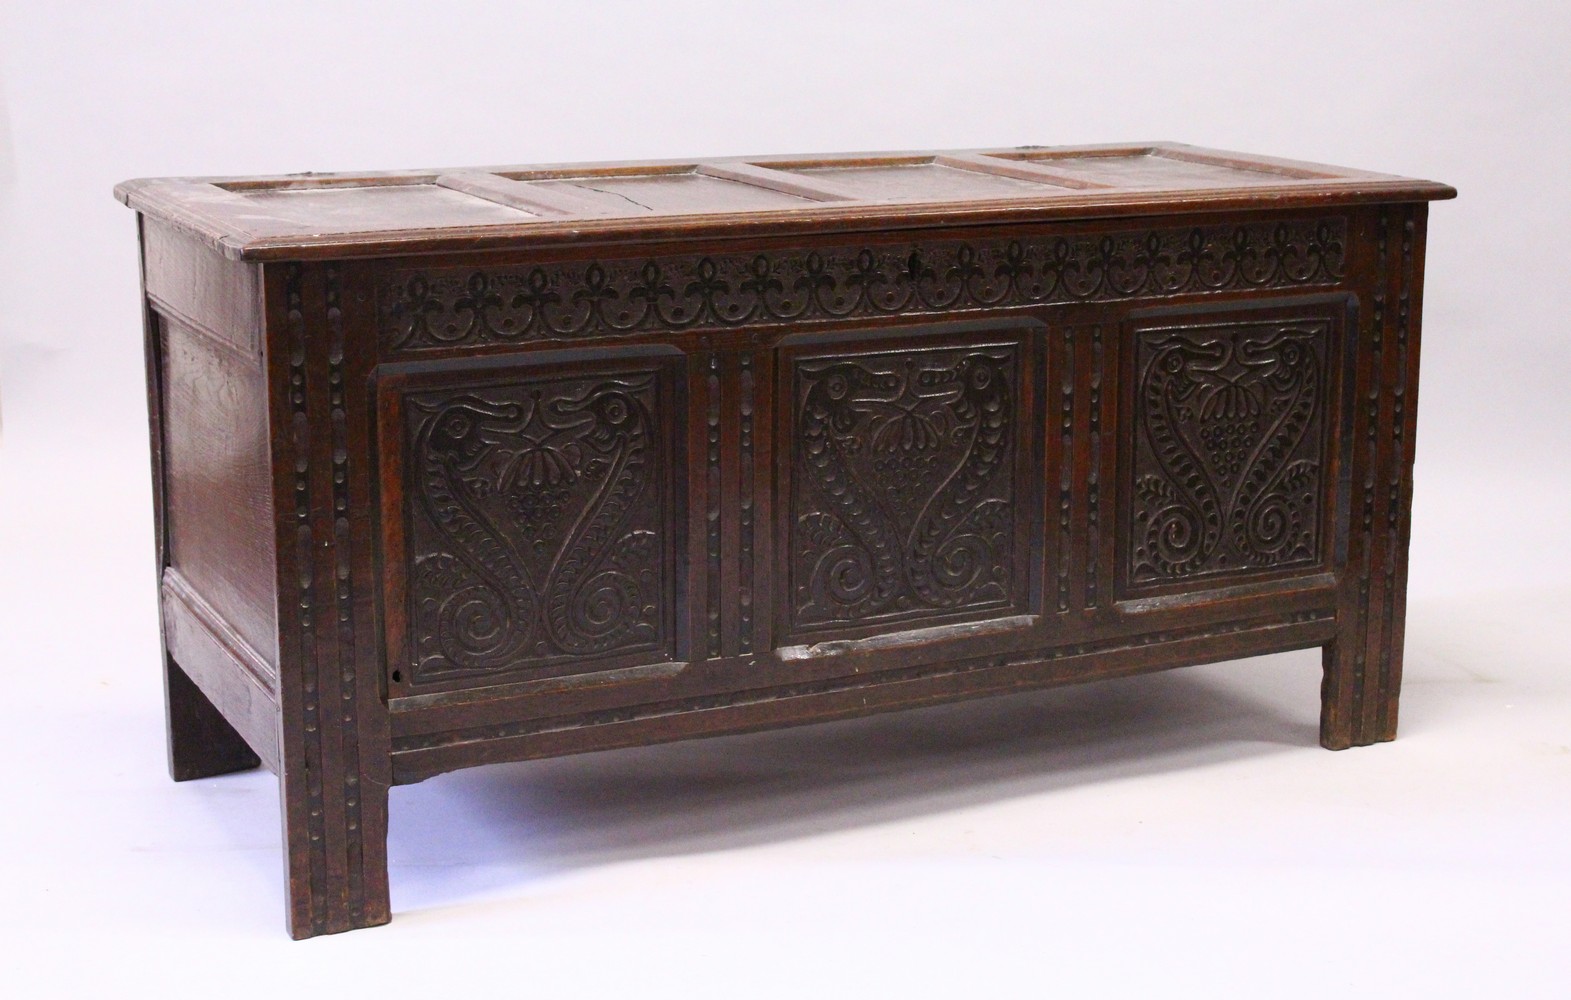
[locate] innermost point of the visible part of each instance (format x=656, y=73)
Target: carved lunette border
x=430, y=309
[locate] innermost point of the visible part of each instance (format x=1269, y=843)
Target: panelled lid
x=302, y=216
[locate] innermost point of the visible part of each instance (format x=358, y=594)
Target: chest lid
x=306, y=216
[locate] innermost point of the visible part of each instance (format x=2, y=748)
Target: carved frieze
x=429, y=309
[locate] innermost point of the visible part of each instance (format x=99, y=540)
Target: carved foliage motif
x=538, y=525
x=902, y=481
x=1230, y=430
x=423, y=310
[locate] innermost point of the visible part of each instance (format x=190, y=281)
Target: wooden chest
x=483, y=465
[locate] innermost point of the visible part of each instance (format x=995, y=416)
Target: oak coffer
x=464, y=466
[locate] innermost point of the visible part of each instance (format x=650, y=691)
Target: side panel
x=216, y=476
x=218, y=481
x=214, y=497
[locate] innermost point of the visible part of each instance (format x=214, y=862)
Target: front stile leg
x=333, y=729
x=336, y=877
x=1363, y=666
x=334, y=792
x=1358, y=705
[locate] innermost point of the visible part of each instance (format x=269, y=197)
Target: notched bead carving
x=538, y=525
x=712, y=513
x=421, y=310
x=902, y=485
x=1228, y=450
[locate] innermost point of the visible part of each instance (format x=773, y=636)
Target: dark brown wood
x=333, y=717
x=230, y=674
x=202, y=743
x=461, y=466
x=216, y=478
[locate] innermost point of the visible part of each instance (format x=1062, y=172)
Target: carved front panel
x=903, y=485
x=539, y=522
x=1229, y=451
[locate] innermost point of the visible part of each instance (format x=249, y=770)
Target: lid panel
x=317, y=216
x=672, y=193
x=358, y=209
x=926, y=182
x=1154, y=169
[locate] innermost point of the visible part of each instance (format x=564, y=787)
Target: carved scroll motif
x=538, y=527
x=1230, y=435
x=902, y=485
